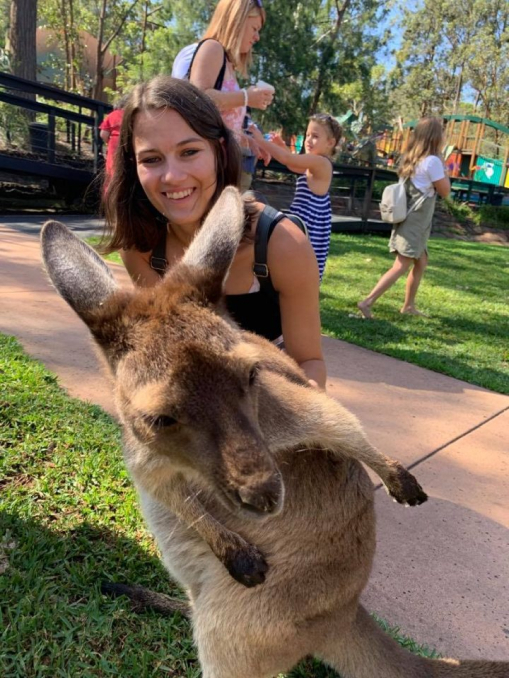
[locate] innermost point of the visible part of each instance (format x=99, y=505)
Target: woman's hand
x=258, y=97
x=256, y=149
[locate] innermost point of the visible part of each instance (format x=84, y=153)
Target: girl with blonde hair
x=225, y=51
x=422, y=168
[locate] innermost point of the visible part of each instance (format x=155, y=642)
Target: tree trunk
x=459, y=88
x=21, y=41
x=98, y=84
x=67, y=45
x=74, y=38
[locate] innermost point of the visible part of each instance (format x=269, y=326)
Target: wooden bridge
x=48, y=133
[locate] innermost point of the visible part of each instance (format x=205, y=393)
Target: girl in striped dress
x=312, y=200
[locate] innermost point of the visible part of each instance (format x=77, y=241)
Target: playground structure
x=476, y=152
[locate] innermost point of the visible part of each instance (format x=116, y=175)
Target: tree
x=21, y=45
x=448, y=52
x=109, y=27
x=487, y=60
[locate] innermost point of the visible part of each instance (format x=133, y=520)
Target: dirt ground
x=446, y=226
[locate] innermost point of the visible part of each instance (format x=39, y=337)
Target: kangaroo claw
x=404, y=488
x=247, y=566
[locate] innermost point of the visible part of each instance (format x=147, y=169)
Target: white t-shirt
x=426, y=172
x=183, y=61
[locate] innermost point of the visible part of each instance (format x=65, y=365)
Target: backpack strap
x=219, y=81
x=267, y=221
x=158, y=259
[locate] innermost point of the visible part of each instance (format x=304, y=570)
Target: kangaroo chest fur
x=320, y=546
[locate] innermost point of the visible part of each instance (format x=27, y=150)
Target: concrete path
x=442, y=571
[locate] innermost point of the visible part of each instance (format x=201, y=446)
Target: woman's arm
x=206, y=67
x=442, y=187
x=138, y=266
x=105, y=135
x=294, y=273
x=318, y=166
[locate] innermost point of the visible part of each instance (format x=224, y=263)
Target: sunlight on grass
x=464, y=292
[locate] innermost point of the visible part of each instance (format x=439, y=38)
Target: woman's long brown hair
x=132, y=221
x=426, y=139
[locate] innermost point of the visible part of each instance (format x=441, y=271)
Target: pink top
x=233, y=117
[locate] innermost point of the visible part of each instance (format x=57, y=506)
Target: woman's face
x=251, y=35
x=176, y=167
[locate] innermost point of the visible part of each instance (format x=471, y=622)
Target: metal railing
x=49, y=132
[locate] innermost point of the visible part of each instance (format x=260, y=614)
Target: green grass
x=68, y=520
x=94, y=241
x=464, y=291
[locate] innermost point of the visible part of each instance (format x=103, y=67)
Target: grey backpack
x=393, y=207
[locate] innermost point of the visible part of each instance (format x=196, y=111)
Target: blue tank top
x=316, y=212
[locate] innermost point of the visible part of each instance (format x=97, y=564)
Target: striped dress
x=316, y=212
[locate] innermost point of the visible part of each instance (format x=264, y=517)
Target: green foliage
x=488, y=216
x=465, y=335
x=13, y=126
x=449, y=48
x=495, y=217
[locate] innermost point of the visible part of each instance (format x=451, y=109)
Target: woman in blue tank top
x=312, y=200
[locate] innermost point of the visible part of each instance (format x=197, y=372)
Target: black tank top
x=256, y=312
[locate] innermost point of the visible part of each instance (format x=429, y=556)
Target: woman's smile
x=176, y=167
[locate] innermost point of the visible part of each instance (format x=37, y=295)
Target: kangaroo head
x=185, y=382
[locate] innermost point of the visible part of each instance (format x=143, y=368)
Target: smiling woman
x=176, y=169
x=176, y=155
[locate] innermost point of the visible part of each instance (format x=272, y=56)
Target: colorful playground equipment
x=476, y=149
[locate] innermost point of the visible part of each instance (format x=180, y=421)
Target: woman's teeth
x=178, y=195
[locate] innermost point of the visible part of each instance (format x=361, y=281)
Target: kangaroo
x=249, y=478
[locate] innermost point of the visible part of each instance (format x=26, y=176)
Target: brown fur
x=249, y=479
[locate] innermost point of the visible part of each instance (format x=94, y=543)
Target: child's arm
x=318, y=166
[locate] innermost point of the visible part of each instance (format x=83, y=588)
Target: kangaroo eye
x=163, y=421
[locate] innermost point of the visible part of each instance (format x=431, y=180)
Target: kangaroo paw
x=246, y=565
x=404, y=488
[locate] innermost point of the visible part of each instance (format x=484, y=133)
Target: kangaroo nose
x=262, y=498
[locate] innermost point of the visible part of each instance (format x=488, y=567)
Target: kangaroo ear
x=80, y=276
x=215, y=244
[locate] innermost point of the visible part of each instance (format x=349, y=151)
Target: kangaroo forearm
x=242, y=560
x=324, y=423
x=183, y=500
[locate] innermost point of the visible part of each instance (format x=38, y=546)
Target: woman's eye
x=190, y=152
x=149, y=160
